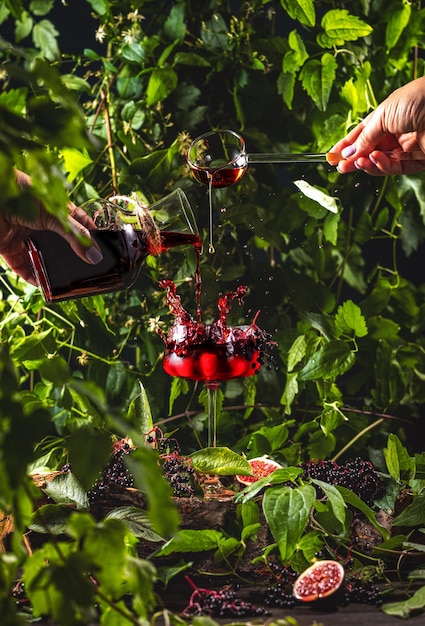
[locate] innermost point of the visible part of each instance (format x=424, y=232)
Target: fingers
x=20, y=264
x=78, y=236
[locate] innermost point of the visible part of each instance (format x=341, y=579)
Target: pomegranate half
x=261, y=466
x=320, y=580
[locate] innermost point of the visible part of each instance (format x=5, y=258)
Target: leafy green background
x=106, y=97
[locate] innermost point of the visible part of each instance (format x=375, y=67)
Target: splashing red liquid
x=215, y=352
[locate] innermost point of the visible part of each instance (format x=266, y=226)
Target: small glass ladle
x=219, y=158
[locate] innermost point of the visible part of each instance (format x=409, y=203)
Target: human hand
x=14, y=229
x=398, y=125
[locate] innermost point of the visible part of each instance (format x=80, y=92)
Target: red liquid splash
x=211, y=353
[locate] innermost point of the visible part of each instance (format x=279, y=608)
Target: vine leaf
x=188, y=540
x=317, y=78
x=334, y=358
x=140, y=411
x=340, y=26
x=406, y=607
x=220, y=461
x=302, y=10
x=287, y=512
x=162, y=82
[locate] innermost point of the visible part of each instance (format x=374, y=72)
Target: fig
x=261, y=466
x=319, y=581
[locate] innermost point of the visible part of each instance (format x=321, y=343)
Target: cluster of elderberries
x=179, y=474
x=223, y=602
x=355, y=474
x=116, y=472
x=278, y=592
x=178, y=471
x=362, y=591
x=20, y=596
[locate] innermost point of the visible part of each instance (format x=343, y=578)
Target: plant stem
x=357, y=437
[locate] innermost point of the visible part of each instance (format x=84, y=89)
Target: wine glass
x=209, y=355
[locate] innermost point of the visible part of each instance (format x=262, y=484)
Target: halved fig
x=261, y=466
x=319, y=581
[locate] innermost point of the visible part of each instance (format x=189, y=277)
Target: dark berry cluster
x=20, y=596
x=278, y=592
x=116, y=472
x=179, y=474
x=162, y=443
x=362, y=591
x=355, y=474
x=221, y=603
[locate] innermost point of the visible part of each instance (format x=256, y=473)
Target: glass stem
x=212, y=389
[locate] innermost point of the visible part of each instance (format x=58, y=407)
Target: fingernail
x=94, y=255
x=348, y=151
x=374, y=161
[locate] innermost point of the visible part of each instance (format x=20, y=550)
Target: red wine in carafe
x=63, y=275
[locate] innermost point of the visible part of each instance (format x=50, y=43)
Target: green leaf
x=321, y=197
x=352, y=499
x=405, y=608
x=154, y=168
x=190, y=58
x=23, y=26
x=174, y=26
x=340, y=26
x=188, y=540
x=137, y=522
x=335, y=499
x=162, y=513
x=413, y=514
x=75, y=161
x=286, y=87
x=301, y=10
x=51, y=519
x=297, y=352
x=139, y=412
x=290, y=391
x=162, y=82
x=66, y=489
x=396, y=23
x=279, y=476
x=179, y=386
x=44, y=36
x=349, y=319
x=400, y=465
x=89, y=452
x=332, y=360
x=41, y=7
x=317, y=79
x=330, y=227
x=101, y=7
x=220, y=461
x=55, y=370
x=214, y=33
x=287, y=512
